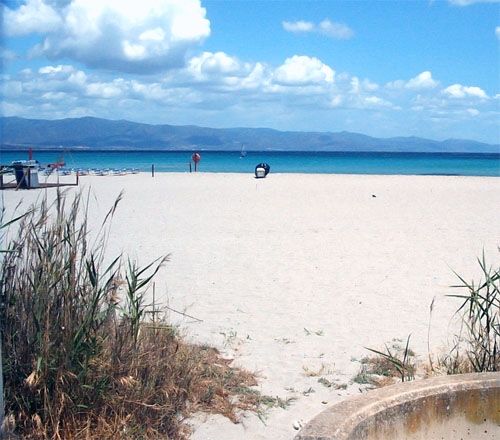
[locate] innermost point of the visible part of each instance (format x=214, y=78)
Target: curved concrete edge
x=340, y=421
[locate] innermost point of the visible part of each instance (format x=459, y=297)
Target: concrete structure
x=464, y=406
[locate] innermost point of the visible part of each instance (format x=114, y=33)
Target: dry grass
x=398, y=362
x=83, y=356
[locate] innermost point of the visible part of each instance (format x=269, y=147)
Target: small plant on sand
x=330, y=384
x=308, y=332
x=477, y=347
x=396, y=361
x=83, y=359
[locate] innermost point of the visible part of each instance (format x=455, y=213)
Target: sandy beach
x=295, y=274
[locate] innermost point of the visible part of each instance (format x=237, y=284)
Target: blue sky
x=384, y=68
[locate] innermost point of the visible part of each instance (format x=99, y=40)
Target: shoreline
x=297, y=163
x=25, y=149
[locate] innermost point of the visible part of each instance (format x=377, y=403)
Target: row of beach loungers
x=92, y=171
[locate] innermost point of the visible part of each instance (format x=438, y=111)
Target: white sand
x=261, y=261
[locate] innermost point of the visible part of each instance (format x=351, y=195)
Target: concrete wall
x=465, y=406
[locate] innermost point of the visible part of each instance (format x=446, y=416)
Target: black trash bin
x=262, y=170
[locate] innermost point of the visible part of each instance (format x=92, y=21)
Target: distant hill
x=94, y=133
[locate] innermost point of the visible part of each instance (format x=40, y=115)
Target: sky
x=383, y=68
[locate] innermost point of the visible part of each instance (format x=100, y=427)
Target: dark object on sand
x=262, y=170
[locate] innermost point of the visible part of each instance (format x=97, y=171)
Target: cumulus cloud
x=375, y=101
x=422, y=81
x=300, y=70
x=459, y=91
x=210, y=81
x=215, y=85
x=339, y=31
x=35, y=16
x=135, y=36
x=210, y=64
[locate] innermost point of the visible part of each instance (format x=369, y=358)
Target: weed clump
x=83, y=357
x=383, y=367
x=477, y=347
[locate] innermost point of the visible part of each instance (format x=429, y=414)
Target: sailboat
x=243, y=153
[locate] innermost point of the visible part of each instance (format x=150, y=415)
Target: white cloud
x=33, y=17
x=53, y=70
x=209, y=63
x=107, y=90
x=470, y=2
x=473, y=111
x=215, y=88
x=497, y=32
x=459, y=91
x=422, y=81
x=63, y=72
x=298, y=26
x=336, y=101
x=376, y=101
x=357, y=86
x=335, y=30
x=221, y=72
x=54, y=96
x=133, y=36
x=301, y=70
x=329, y=28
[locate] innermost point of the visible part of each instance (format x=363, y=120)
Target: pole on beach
x=190, y=169
x=196, y=157
x=152, y=170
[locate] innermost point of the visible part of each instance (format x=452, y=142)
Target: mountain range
x=90, y=133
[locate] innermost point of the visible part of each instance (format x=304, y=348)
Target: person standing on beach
x=196, y=157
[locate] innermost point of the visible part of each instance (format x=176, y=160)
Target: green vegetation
x=477, y=347
x=85, y=355
x=393, y=361
x=396, y=361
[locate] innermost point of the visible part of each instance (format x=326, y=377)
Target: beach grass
x=477, y=347
x=84, y=357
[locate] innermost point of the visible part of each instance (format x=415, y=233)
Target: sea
x=279, y=162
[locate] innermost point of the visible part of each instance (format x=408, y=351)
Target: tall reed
x=81, y=359
x=480, y=315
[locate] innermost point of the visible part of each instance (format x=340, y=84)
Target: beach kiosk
x=26, y=172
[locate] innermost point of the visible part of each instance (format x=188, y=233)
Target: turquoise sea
x=280, y=162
